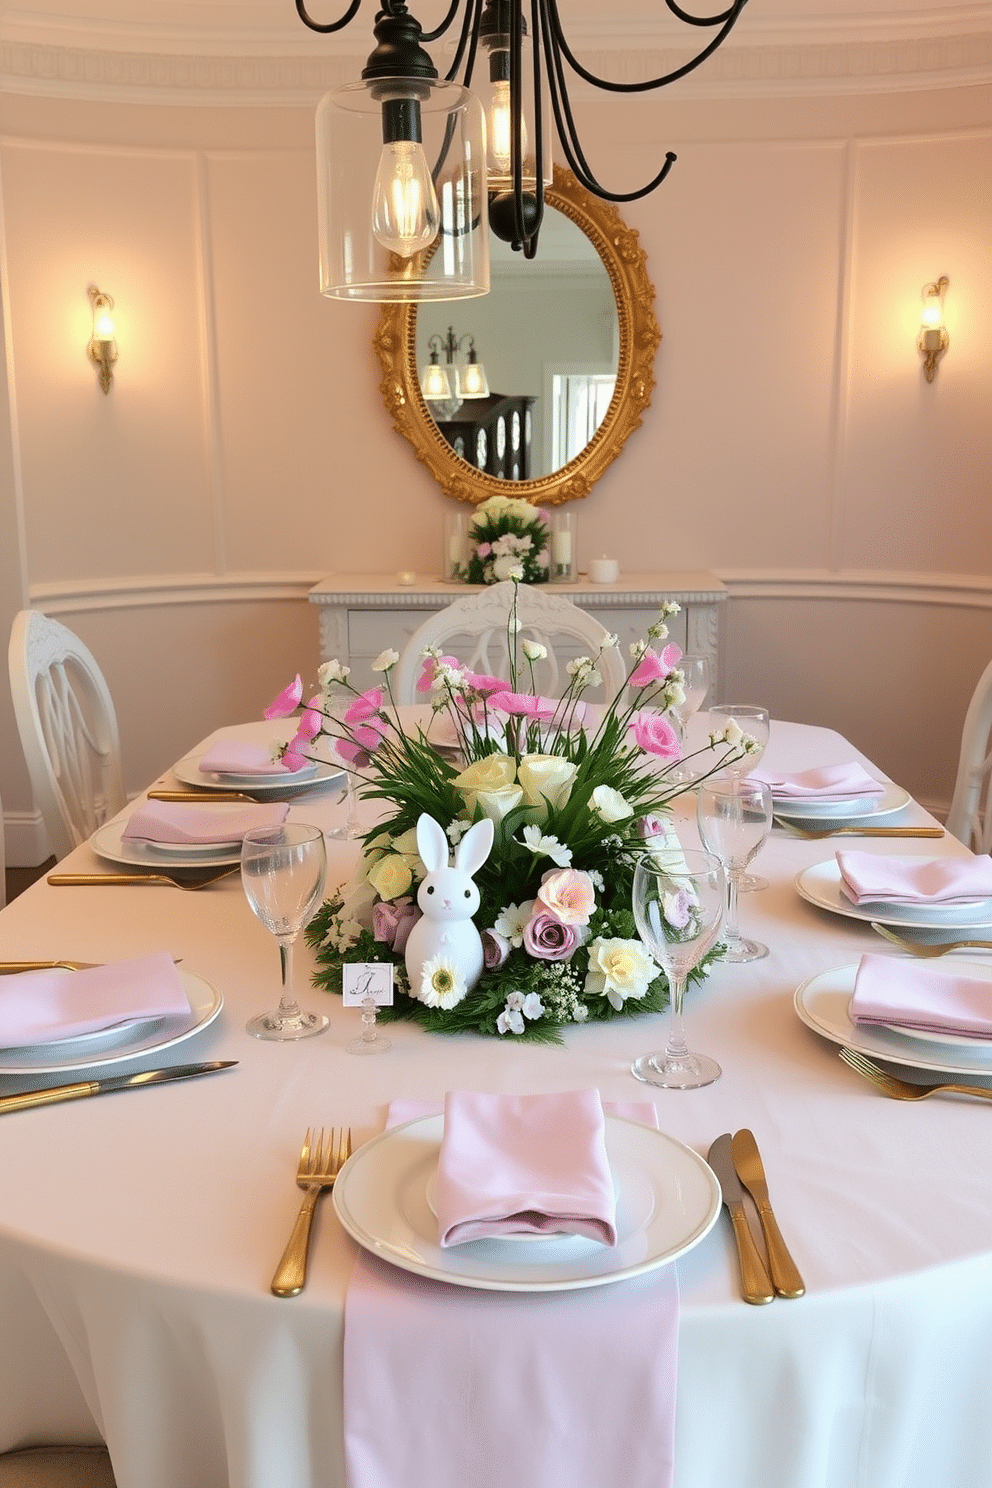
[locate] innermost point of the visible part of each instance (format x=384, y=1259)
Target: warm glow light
x=932, y=313
x=435, y=385
x=499, y=148
x=104, y=328
x=933, y=339
x=405, y=212
x=472, y=381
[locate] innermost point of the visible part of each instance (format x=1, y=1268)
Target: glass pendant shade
x=471, y=380
x=492, y=82
x=402, y=218
x=434, y=382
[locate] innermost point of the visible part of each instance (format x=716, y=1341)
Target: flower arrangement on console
x=506, y=533
x=546, y=805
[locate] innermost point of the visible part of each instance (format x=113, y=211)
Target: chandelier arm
x=716, y=20
x=568, y=136
x=469, y=39
x=453, y=10
x=327, y=26
x=649, y=84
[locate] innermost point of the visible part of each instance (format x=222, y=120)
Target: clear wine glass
x=695, y=684
x=678, y=901
x=735, y=817
x=282, y=871
x=754, y=722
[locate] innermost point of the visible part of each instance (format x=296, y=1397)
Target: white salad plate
x=821, y=885
x=124, y=1041
x=188, y=771
x=108, y=842
x=668, y=1200
x=823, y=1004
x=853, y=808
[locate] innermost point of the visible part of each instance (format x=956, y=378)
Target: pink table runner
x=453, y=1387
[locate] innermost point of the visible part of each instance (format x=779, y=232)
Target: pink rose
x=392, y=923
x=287, y=701
x=651, y=668
x=495, y=949
x=655, y=734
x=651, y=826
x=569, y=894
x=547, y=939
x=483, y=549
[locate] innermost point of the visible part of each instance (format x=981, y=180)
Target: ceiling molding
x=211, y=69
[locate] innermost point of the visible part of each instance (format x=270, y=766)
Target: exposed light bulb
x=933, y=311
x=405, y=212
x=104, y=328
x=500, y=130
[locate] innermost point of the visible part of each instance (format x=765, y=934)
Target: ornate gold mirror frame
x=624, y=260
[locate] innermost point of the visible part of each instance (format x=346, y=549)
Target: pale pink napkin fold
x=41, y=1007
x=828, y=783
x=187, y=822
x=889, y=990
x=867, y=879
x=524, y=1164
x=239, y=757
x=452, y=1387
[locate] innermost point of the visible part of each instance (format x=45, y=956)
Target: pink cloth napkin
x=238, y=757
x=829, y=783
x=524, y=1164
x=451, y=1387
x=888, y=990
x=188, y=822
x=41, y=1007
x=867, y=879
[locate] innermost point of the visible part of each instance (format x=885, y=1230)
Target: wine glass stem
x=288, y=1005
x=733, y=885
x=677, y=1048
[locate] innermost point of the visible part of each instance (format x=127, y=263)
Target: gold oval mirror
x=634, y=334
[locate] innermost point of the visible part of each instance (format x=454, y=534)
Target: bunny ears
x=470, y=854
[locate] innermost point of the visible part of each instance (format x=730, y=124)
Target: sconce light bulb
x=405, y=212
x=104, y=328
x=435, y=385
x=932, y=312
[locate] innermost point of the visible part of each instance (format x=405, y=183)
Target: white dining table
x=139, y=1232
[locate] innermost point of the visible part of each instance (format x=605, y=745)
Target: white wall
x=792, y=446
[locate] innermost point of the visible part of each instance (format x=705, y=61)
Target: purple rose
x=495, y=949
x=547, y=939
x=392, y=923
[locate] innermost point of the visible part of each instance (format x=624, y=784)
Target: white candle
x=561, y=549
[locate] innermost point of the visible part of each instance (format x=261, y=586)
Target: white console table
x=362, y=614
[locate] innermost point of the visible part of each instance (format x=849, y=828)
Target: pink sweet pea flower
x=482, y=682
x=525, y=704
x=310, y=726
x=655, y=735
x=431, y=663
x=292, y=760
x=287, y=701
x=365, y=707
x=671, y=656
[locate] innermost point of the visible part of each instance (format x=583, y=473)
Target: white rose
x=331, y=671
x=619, y=969
x=390, y=876
x=609, y=804
x=547, y=781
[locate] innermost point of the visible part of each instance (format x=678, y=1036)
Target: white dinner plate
x=823, y=1004
x=189, y=772
x=108, y=842
x=668, y=1200
x=853, y=809
x=820, y=885
x=127, y=1042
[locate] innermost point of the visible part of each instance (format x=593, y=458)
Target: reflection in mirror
x=548, y=335
x=543, y=423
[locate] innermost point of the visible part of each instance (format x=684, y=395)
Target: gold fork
x=939, y=948
x=316, y=1172
x=142, y=878
x=901, y=1089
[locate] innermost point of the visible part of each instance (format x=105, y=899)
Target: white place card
x=363, y=979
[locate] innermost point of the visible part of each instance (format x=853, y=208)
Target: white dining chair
x=57, y=1467
x=970, y=816
x=477, y=625
x=68, y=727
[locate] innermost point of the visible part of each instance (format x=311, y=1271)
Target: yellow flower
x=547, y=780
x=390, y=876
x=619, y=969
x=490, y=783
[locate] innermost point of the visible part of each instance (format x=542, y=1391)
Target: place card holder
x=368, y=985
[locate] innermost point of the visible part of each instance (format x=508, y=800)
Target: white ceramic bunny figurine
x=449, y=899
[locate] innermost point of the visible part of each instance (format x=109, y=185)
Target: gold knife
x=8, y=968
x=27, y=1099
x=204, y=796
x=793, y=826
x=755, y=1285
x=750, y=1170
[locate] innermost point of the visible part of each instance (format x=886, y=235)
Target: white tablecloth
x=139, y=1233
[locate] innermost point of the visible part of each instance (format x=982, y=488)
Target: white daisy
x=442, y=984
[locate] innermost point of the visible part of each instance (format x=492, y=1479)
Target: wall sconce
x=453, y=381
x=102, y=348
x=933, y=339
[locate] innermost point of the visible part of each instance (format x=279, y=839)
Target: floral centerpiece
x=575, y=791
x=506, y=533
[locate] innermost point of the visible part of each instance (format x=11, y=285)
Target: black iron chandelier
x=413, y=169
